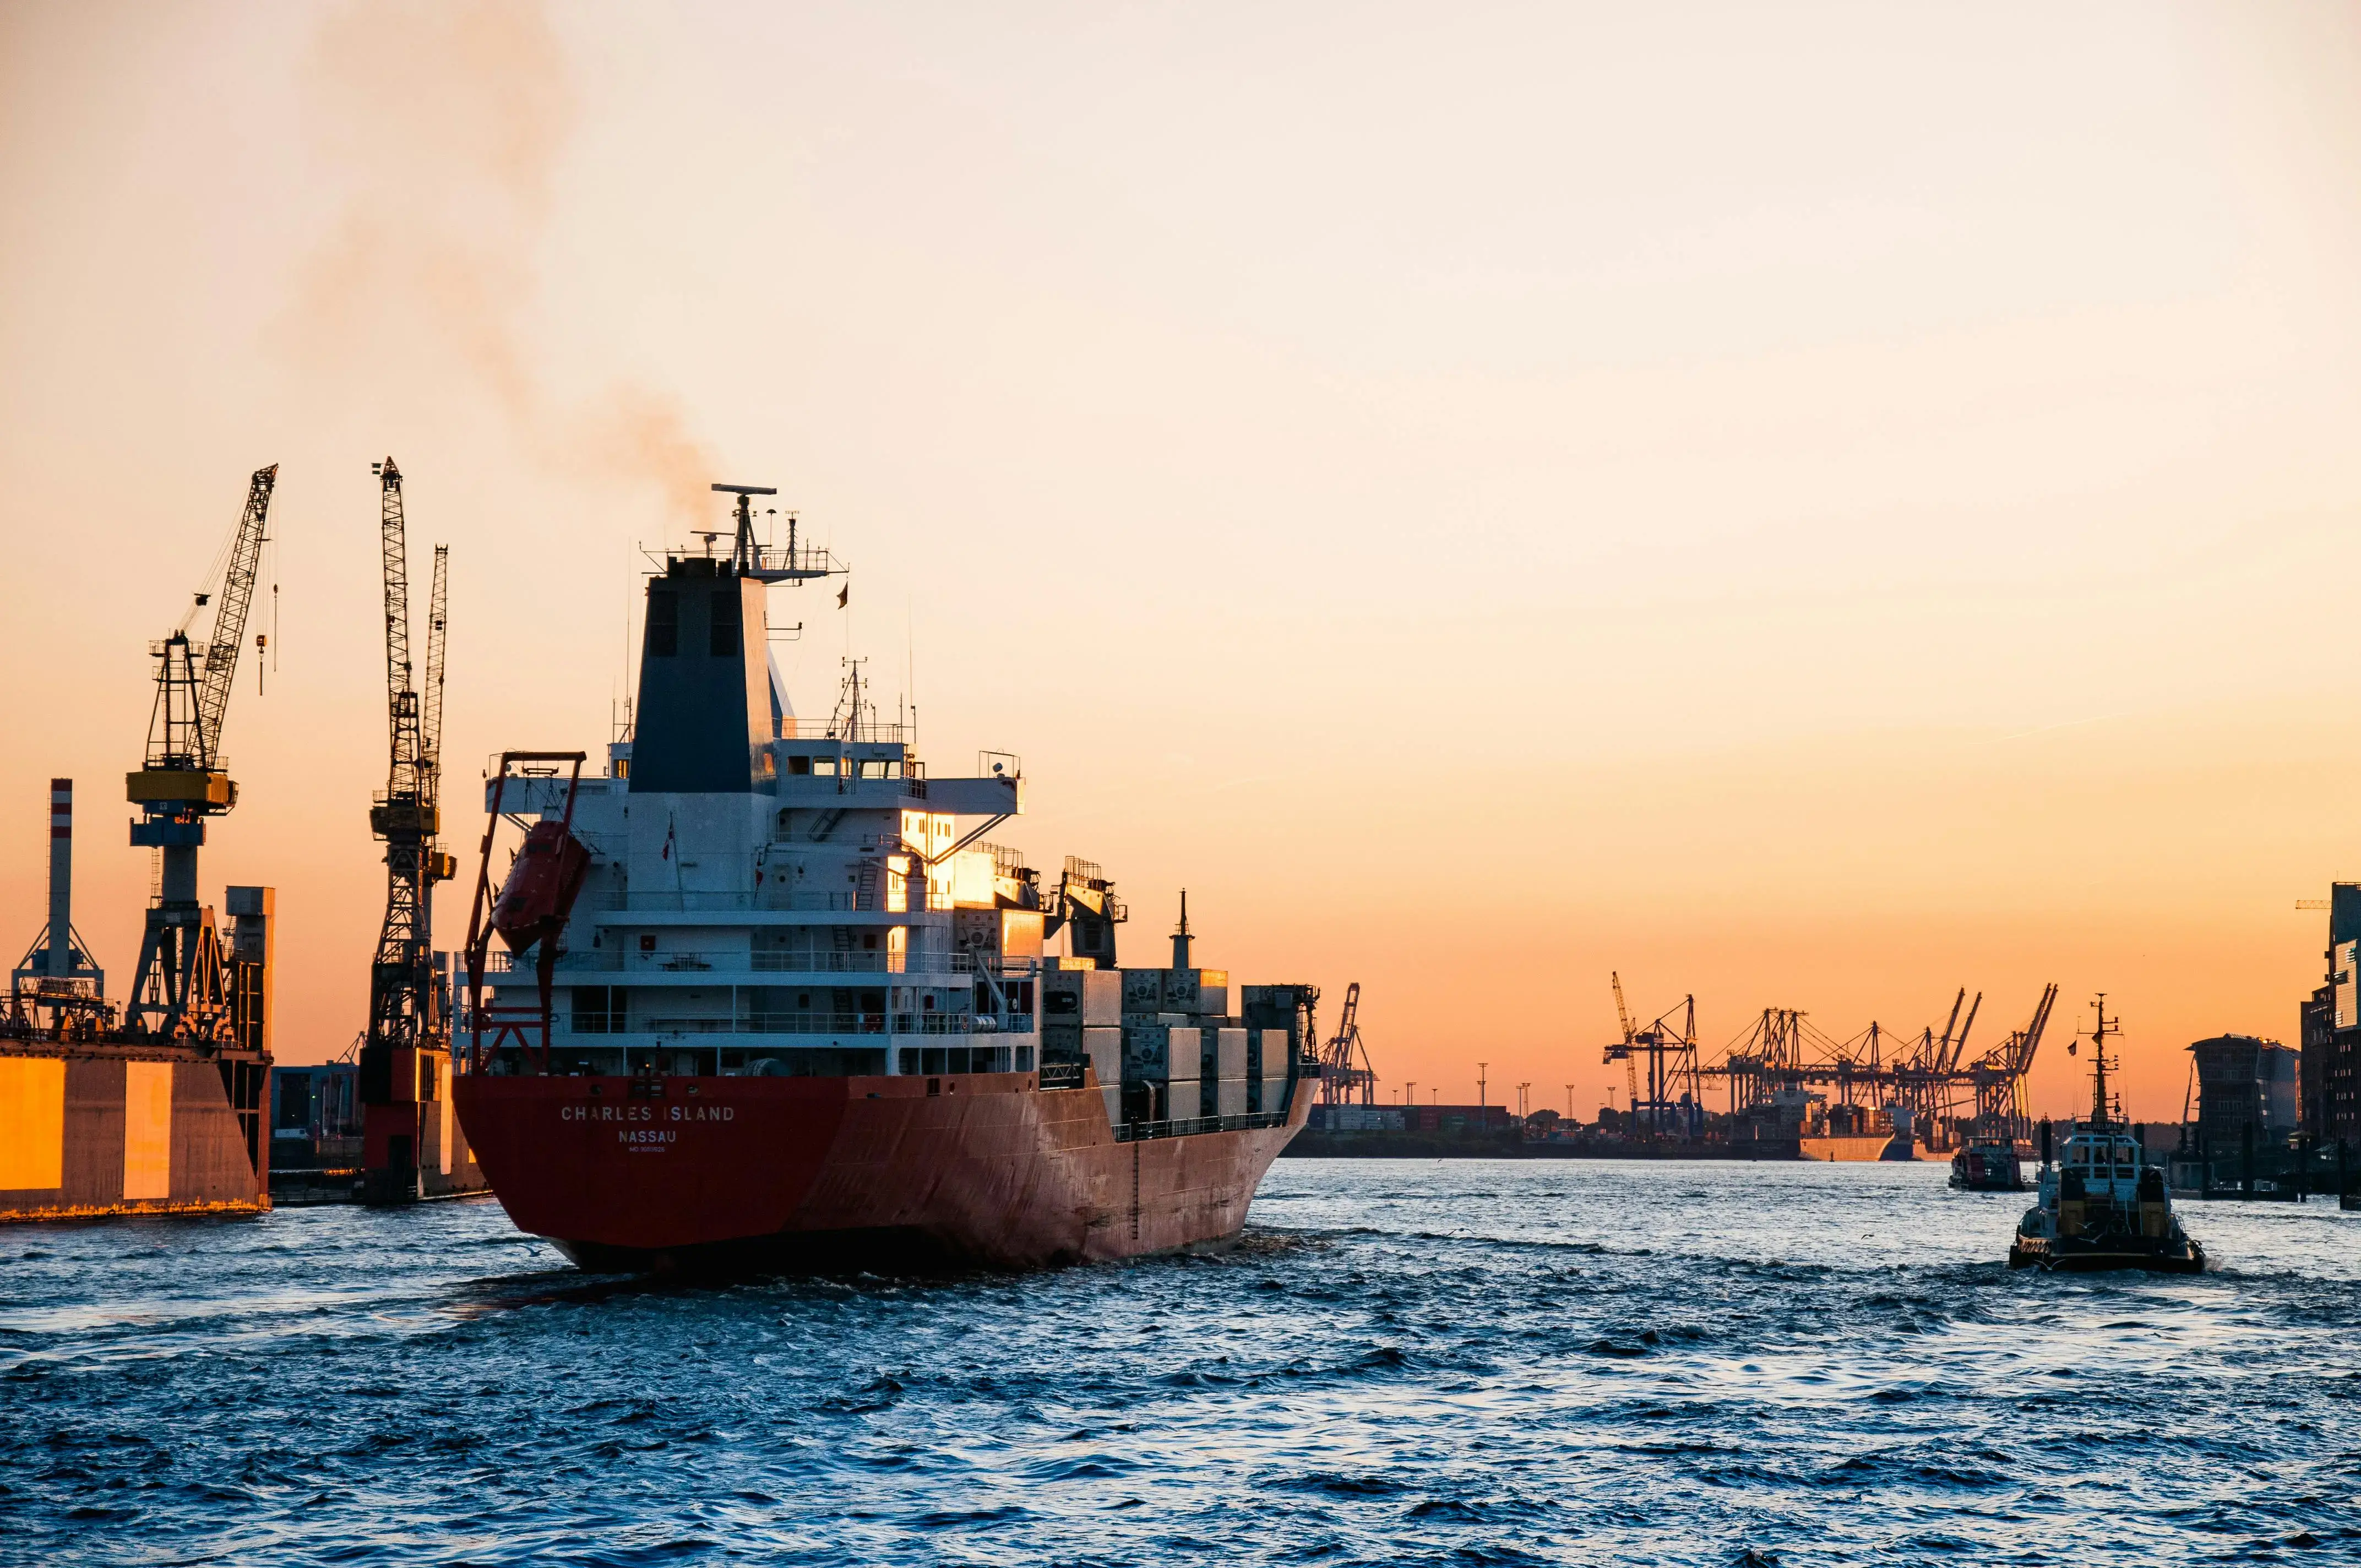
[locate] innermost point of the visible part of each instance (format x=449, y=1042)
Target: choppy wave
x=1456, y=1363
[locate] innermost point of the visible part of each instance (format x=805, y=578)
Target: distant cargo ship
x=769, y=998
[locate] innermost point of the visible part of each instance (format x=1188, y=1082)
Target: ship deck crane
x=178, y=991
x=1084, y=906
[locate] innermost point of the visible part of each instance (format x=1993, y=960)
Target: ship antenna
x=2099, y=1033
x=1181, y=937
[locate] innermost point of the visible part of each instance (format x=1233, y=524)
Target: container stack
x=1184, y=1075
x=1267, y=1070
x=1230, y=1076
x=1082, y=1021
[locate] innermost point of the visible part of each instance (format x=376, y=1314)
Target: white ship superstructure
x=773, y=895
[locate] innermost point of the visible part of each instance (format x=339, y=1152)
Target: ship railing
x=1185, y=1126
x=813, y=1023
x=623, y=961
x=851, y=902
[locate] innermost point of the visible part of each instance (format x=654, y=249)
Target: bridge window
x=724, y=640
x=664, y=623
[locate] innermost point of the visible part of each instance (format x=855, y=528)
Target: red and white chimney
x=60, y=964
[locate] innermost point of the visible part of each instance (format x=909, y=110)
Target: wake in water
x=1461, y=1363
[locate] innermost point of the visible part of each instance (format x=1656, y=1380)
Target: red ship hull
x=979, y=1169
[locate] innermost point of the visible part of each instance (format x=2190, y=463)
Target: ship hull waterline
x=749, y=1174
x=2103, y=1258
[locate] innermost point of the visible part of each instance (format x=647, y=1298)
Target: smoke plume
x=448, y=119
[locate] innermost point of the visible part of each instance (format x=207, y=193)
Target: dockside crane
x=1671, y=1054
x=1346, y=1077
x=1624, y=1051
x=179, y=990
x=2002, y=1111
x=406, y=1053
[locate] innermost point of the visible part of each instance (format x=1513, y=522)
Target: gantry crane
x=1346, y=1077
x=2002, y=1111
x=1783, y=1051
x=406, y=1050
x=178, y=991
x=1671, y=1055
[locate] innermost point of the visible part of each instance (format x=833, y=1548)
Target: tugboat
x=1988, y=1164
x=2103, y=1206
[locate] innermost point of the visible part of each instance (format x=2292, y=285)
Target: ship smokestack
x=61, y=957
x=1180, y=937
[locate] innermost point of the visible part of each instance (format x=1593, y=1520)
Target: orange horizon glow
x=1811, y=509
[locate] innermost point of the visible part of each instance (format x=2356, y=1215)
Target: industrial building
x=317, y=1118
x=2245, y=1089
x=2329, y=1084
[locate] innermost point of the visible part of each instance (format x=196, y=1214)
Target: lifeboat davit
x=541, y=887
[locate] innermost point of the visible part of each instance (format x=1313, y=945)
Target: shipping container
x=1230, y=1053
x=1103, y=1048
x=1102, y=998
x=1186, y=1053
x=1230, y=1097
x=1160, y=1051
x=1143, y=990
x=1201, y=992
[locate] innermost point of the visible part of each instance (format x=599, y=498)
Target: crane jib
x=229, y=616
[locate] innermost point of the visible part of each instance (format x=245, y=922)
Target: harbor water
x=1465, y=1362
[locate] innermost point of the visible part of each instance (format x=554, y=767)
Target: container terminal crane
x=159, y=1109
x=1873, y=1095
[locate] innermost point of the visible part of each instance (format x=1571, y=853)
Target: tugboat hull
x=2103, y=1255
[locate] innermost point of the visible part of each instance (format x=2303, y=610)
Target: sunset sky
x=1810, y=506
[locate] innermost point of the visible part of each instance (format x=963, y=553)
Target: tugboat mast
x=2098, y=1033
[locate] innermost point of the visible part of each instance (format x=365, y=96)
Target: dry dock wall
x=121, y=1130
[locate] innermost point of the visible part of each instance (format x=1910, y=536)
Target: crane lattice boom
x=229, y=616
x=400, y=695
x=1346, y=1077
x=429, y=723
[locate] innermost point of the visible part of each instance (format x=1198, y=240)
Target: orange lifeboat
x=541, y=887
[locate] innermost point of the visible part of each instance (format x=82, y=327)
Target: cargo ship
x=764, y=996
